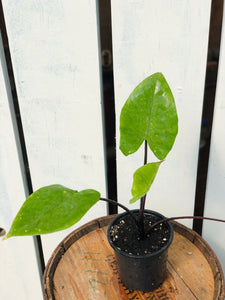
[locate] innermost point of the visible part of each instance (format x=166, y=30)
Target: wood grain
x=86, y=268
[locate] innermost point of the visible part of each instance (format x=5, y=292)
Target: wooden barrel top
x=83, y=267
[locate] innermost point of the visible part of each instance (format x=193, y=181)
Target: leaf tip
x=135, y=199
x=132, y=201
x=5, y=237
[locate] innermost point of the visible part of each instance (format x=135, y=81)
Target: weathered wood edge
x=47, y=285
x=203, y=246
x=196, y=239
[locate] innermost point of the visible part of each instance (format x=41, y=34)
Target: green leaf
x=149, y=114
x=52, y=208
x=143, y=179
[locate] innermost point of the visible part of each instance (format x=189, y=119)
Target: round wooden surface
x=83, y=267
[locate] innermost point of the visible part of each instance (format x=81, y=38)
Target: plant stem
x=138, y=224
x=123, y=207
x=142, y=205
x=183, y=217
x=146, y=153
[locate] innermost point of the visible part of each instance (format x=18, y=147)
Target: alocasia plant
x=149, y=115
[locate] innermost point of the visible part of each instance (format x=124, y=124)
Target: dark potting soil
x=127, y=238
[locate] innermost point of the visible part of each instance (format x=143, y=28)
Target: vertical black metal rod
x=207, y=113
x=105, y=33
x=17, y=126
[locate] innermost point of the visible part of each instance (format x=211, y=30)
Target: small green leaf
x=149, y=114
x=52, y=208
x=143, y=179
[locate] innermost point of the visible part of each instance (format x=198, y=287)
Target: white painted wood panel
x=213, y=232
x=170, y=37
x=54, y=47
x=19, y=276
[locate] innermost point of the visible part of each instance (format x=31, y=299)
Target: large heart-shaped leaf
x=149, y=114
x=52, y=208
x=143, y=179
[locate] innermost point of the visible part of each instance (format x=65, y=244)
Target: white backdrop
x=55, y=54
x=169, y=37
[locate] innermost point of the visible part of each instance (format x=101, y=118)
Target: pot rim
x=143, y=256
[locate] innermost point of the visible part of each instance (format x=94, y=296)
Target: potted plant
x=140, y=238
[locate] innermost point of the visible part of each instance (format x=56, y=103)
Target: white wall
x=55, y=54
x=19, y=270
x=169, y=37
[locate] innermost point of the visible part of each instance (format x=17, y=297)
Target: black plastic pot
x=141, y=272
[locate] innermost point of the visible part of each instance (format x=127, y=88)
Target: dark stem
x=146, y=153
x=183, y=217
x=140, y=229
x=123, y=207
x=143, y=199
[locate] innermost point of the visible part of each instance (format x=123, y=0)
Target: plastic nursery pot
x=144, y=268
